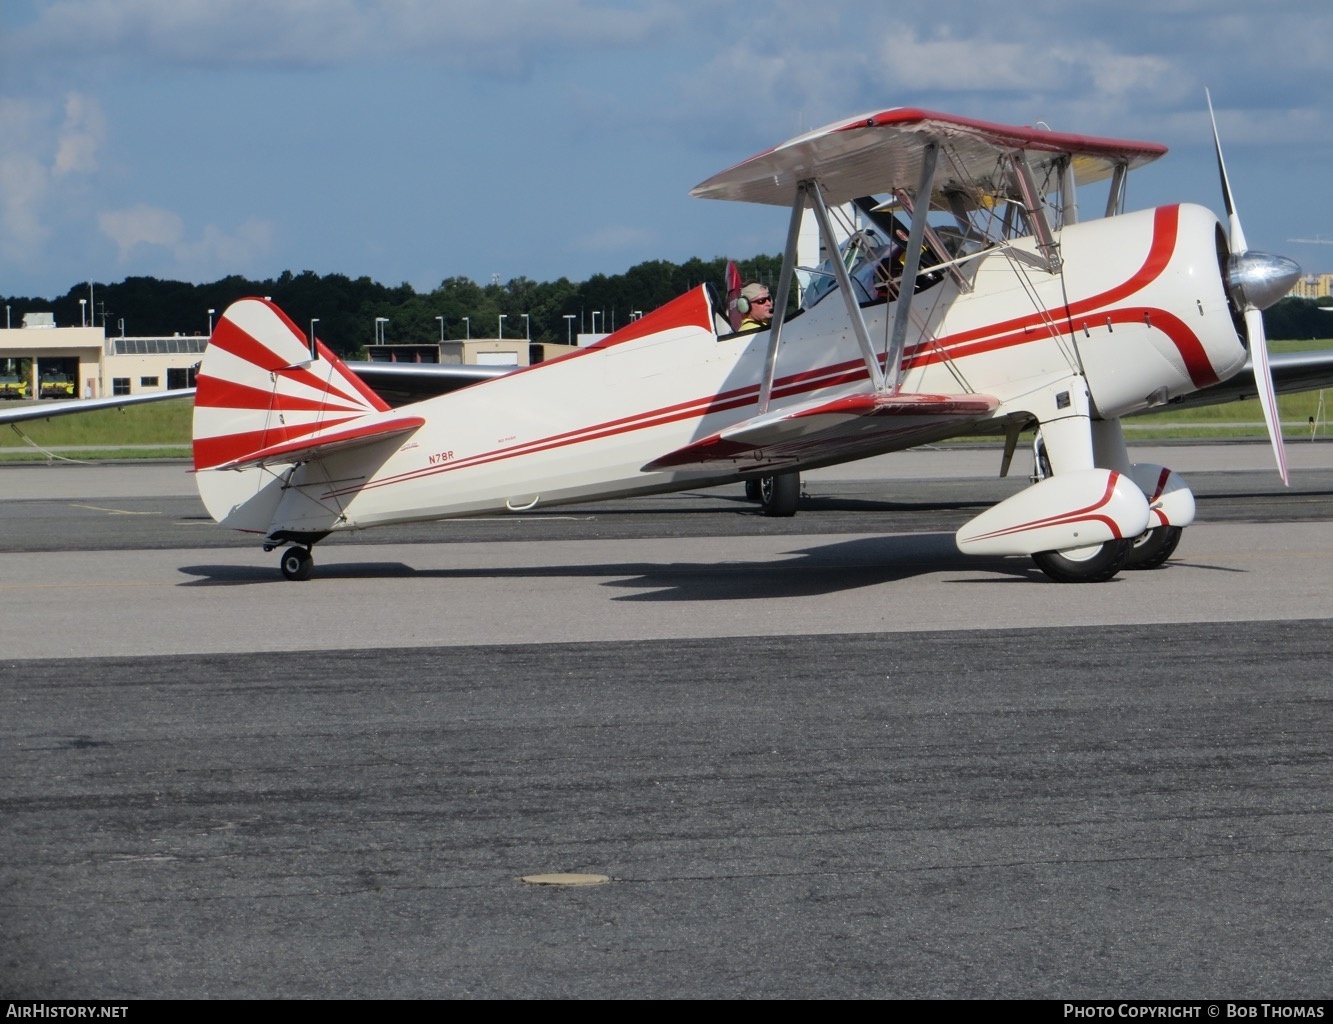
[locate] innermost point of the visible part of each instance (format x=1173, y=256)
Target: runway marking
x=113, y=511
x=565, y=879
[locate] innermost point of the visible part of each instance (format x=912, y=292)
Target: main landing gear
x=1095, y=564
x=777, y=494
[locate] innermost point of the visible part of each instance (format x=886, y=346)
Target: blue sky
x=414, y=140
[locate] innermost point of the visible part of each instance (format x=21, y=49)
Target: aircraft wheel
x=1084, y=565
x=297, y=563
x=752, y=491
x=779, y=494
x=1153, y=547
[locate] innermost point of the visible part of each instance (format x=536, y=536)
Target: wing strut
x=780, y=300
x=1036, y=213
x=911, y=266
x=845, y=286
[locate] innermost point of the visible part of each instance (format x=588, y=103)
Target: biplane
x=975, y=295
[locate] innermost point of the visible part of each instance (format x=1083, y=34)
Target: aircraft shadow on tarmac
x=808, y=572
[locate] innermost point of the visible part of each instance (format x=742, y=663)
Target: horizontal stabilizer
x=829, y=430
x=308, y=448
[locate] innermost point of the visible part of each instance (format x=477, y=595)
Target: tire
x=297, y=564
x=779, y=494
x=1085, y=565
x=1153, y=547
x=752, y=491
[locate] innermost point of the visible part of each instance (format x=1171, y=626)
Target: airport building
x=41, y=360
x=1313, y=286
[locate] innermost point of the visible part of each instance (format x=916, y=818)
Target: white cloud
x=220, y=252
x=43, y=162
x=214, y=251
x=81, y=136
x=502, y=35
x=141, y=225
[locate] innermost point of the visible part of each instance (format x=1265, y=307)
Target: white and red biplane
x=978, y=300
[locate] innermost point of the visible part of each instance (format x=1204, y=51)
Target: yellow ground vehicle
x=56, y=385
x=13, y=387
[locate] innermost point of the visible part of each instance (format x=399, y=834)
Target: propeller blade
x=1261, y=272
x=1237, y=235
x=1263, y=382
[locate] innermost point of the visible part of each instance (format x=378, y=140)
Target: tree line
x=347, y=309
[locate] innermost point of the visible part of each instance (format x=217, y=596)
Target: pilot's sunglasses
x=766, y=298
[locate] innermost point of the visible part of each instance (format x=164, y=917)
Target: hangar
x=41, y=360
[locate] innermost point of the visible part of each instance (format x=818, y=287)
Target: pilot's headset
x=743, y=300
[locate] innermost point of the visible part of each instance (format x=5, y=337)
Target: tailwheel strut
x=297, y=563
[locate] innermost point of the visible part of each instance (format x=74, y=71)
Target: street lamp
x=312, y=336
x=210, y=322
x=441, y=319
x=467, y=326
x=569, y=328
x=502, y=325
x=527, y=326
x=380, y=321
x=595, y=313
x=83, y=312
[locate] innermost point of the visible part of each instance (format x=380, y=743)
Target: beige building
x=1313, y=286
x=473, y=352
x=82, y=362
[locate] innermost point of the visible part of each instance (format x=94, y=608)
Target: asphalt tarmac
x=819, y=757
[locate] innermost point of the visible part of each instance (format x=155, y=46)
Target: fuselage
x=1138, y=309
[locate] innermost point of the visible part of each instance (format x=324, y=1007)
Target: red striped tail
x=259, y=385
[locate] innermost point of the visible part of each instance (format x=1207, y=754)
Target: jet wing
x=880, y=152
x=833, y=430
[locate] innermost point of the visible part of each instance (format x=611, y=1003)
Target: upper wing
x=834, y=430
x=880, y=152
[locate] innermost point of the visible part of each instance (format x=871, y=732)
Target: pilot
x=759, y=313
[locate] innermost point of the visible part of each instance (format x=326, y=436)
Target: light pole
x=441, y=319
x=569, y=328
x=210, y=322
x=595, y=312
x=502, y=325
x=467, y=326
x=312, y=336
x=527, y=326
x=83, y=312
x=380, y=321
x=635, y=314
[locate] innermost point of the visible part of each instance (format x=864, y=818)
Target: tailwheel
x=1153, y=547
x=297, y=563
x=779, y=493
x=1095, y=564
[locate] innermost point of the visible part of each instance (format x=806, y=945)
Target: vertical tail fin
x=259, y=385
